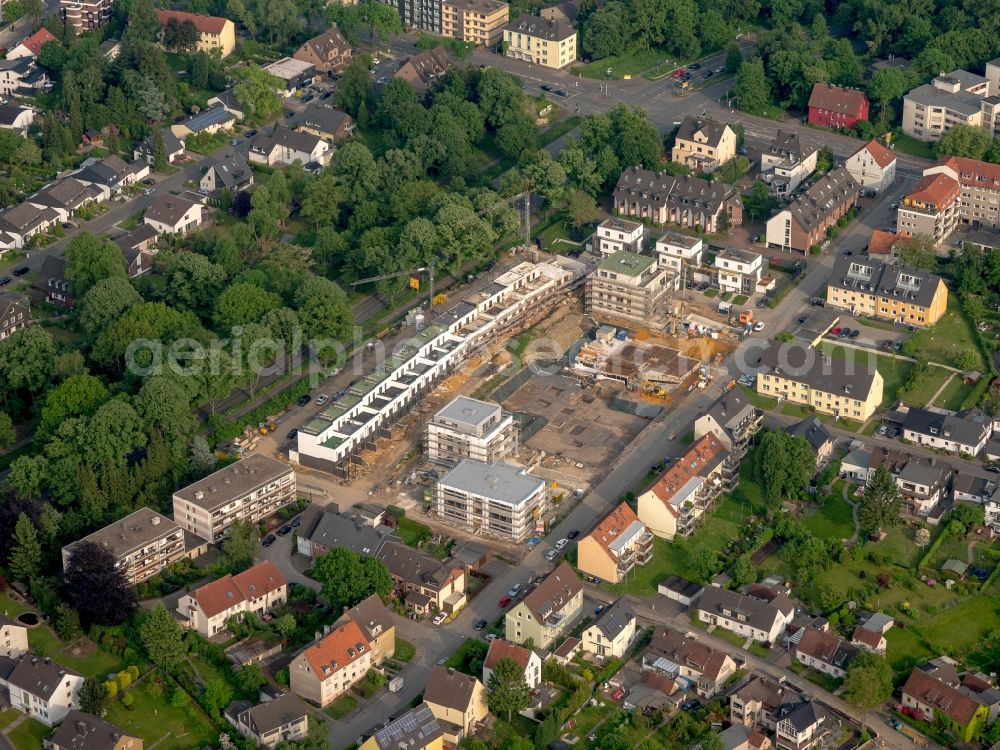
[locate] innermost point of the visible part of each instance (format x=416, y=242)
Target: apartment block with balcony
x=548, y=611
x=979, y=189
x=932, y=208
x=953, y=99
x=678, y=252
x=615, y=235
x=677, y=503
x=901, y=294
x=143, y=543
x=478, y=22
x=617, y=545
x=804, y=223
x=739, y=271
x=630, y=288
x=251, y=489
x=85, y=15
x=734, y=421
x=469, y=428
x=499, y=500
x=542, y=41
x=786, y=162
x=703, y=145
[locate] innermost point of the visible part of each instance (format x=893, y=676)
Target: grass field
x=960, y=628
x=898, y=544
x=404, y=650
x=905, y=647
x=943, y=341
x=926, y=386
x=28, y=735
x=833, y=520
x=557, y=130
x=155, y=721
x=342, y=706
x=412, y=532
x=954, y=394
x=631, y=63
x=912, y=146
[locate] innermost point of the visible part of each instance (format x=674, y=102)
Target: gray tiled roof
x=968, y=427
x=875, y=277
x=712, y=131
x=824, y=197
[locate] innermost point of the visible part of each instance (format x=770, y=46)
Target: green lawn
x=960, y=628
x=954, y=394
x=926, y=386
x=557, y=238
x=557, y=130
x=907, y=145
x=471, y=653
x=412, y=532
x=893, y=370
x=833, y=519
x=28, y=735
x=740, y=299
x=898, y=544
x=943, y=341
x=7, y=717
x=404, y=650
x=800, y=411
x=905, y=648
x=729, y=637
x=86, y=657
x=761, y=402
x=342, y=706
x=157, y=722
x=631, y=63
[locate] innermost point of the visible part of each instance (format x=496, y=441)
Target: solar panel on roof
x=206, y=119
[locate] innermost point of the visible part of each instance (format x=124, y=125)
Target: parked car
x=149, y=191
x=490, y=637
x=709, y=74
x=504, y=601
x=897, y=347
x=573, y=534
x=993, y=469
x=551, y=555
x=303, y=400
x=289, y=114
x=562, y=543
x=691, y=704
x=292, y=434
x=250, y=133
x=835, y=331
x=546, y=87
x=322, y=399
x=438, y=618
x=854, y=334
x=694, y=66
x=235, y=142
x=285, y=530
x=296, y=522
x=759, y=326
x=883, y=430
x=149, y=181
x=844, y=333
x=480, y=625
x=742, y=151
x=514, y=590
x=5, y=280
x=560, y=92
x=268, y=540
x=21, y=271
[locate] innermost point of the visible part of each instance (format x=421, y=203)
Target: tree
x=506, y=689
x=918, y=251
x=93, y=696
x=216, y=696
x=734, y=57
x=160, y=159
x=382, y=20
x=969, y=141
x=250, y=678
x=705, y=563
x=240, y=545
x=751, y=87
x=712, y=741
x=257, y=91
x=759, y=202
x=27, y=475
x=968, y=516
x=243, y=303
x=163, y=639
x=26, y=552
x=347, y=577
x=89, y=260
x=105, y=302
x=202, y=458
x=887, y=86
x=96, y=587
x=582, y=209
x=323, y=309
x=824, y=160
x=77, y=396
x=921, y=537
x=743, y=571
x=7, y=432
x=782, y=465
x=355, y=86
x=881, y=504
x=868, y=682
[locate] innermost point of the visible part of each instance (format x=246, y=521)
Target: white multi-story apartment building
x=251, y=489
x=957, y=98
x=40, y=687
x=739, y=271
x=679, y=252
x=499, y=500
x=331, y=665
x=801, y=727
x=614, y=235
x=469, y=428
x=349, y=426
x=257, y=590
x=785, y=163
x=143, y=543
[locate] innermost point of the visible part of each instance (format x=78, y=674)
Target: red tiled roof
x=204, y=24
x=832, y=98
x=690, y=465
x=613, y=525
x=262, y=578
x=225, y=592
x=938, y=190
x=882, y=155
x=501, y=649
x=940, y=696
x=36, y=40
x=880, y=243
x=972, y=172
x=868, y=637
x=343, y=646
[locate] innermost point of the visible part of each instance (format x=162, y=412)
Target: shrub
x=127, y=700
x=815, y=249
x=112, y=688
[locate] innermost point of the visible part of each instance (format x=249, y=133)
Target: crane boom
x=385, y=276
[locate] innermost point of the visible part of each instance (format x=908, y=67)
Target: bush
x=127, y=700
x=395, y=511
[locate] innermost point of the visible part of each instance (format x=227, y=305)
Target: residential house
x=257, y=590
x=819, y=438
x=804, y=223
x=630, y=288
x=67, y=196
x=836, y=106
x=566, y=11
x=13, y=638
x=228, y=172
x=32, y=45
x=458, y=702
x=671, y=652
x=934, y=697
x=294, y=74
x=680, y=589
x=676, y=199
x=15, y=314
x=423, y=582
x=786, y=163
x=761, y=614
x=676, y=504
x=679, y=252
x=110, y=49
x=543, y=41
x=923, y=481
x=171, y=214
x=825, y=652
x=85, y=15
x=615, y=235
x=137, y=247
x=831, y=385
x=173, y=146
x=548, y=611
x=41, y=688
x=467, y=428
x=252, y=489
x=955, y=98
x=329, y=53
x=965, y=432
x=83, y=731
x=869, y=640
x=873, y=166
x=142, y=544
x=979, y=190
x=284, y=719
x=52, y=282
x=424, y=68
x=209, y=121
x=478, y=22
x=703, y=145
x=284, y=147
x=739, y=271
x=612, y=633
x=885, y=246
x=973, y=489
x=331, y=665
x=980, y=688
x=228, y=101
x=618, y=543
x=17, y=118
x=22, y=221
x=113, y=172
x=323, y=528
x=328, y=123
x=417, y=729
x=761, y=703
x=802, y=727
x=734, y=421
x=214, y=33
x=22, y=77
x=376, y=622
x=901, y=294
x=932, y=208
x=496, y=499
x=527, y=659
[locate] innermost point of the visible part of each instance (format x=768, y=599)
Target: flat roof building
x=469, y=428
x=630, y=287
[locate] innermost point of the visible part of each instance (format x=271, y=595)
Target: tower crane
x=429, y=270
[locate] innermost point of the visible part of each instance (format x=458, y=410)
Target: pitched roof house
x=227, y=172
x=285, y=147
x=931, y=696
x=284, y=719
x=52, y=282
x=171, y=214
x=761, y=702
x=15, y=314
x=32, y=45
x=258, y=590
x=682, y=199
x=610, y=636
x=422, y=581
x=527, y=659
x=83, y=731
x=331, y=665
x=328, y=123
x=457, y=700
x=375, y=621
x=678, y=656
x=703, y=145
x=804, y=223
x=824, y=652
x=616, y=545
x=329, y=52
x=422, y=69
x=417, y=729
x=40, y=687
x=966, y=431
x=873, y=166
x=549, y=610
x=171, y=143
x=762, y=613
x=836, y=107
